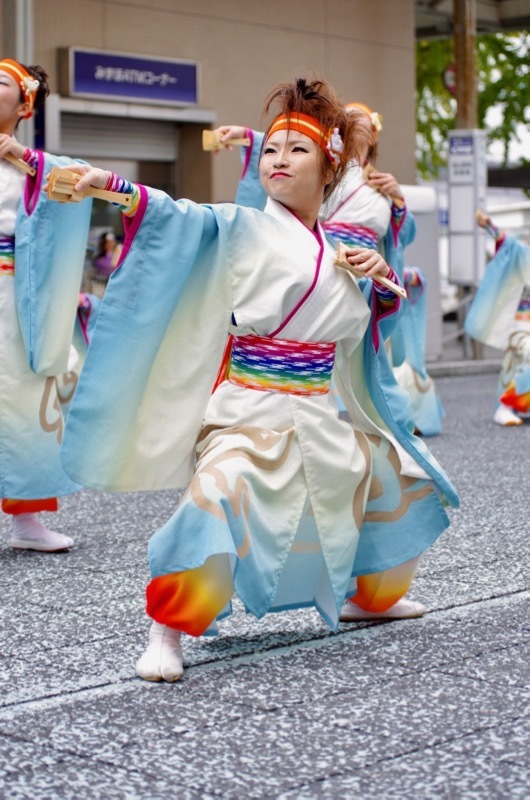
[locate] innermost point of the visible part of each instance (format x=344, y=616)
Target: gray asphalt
x=280, y=708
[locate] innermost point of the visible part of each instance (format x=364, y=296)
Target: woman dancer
x=279, y=486
x=368, y=209
x=37, y=321
x=500, y=317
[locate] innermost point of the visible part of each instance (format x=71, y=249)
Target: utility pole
x=467, y=168
x=465, y=27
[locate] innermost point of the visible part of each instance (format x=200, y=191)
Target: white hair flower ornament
x=377, y=121
x=335, y=144
x=29, y=85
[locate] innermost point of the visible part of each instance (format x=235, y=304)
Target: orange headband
x=375, y=118
x=329, y=141
x=28, y=83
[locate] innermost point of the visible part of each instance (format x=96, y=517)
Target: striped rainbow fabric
x=7, y=255
x=279, y=365
x=351, y=235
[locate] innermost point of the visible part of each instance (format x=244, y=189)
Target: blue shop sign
x=126, y=77
x=460, y=145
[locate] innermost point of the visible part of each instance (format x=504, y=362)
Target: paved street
x=281, y=708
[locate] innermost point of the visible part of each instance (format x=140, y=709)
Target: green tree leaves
x=503, y=75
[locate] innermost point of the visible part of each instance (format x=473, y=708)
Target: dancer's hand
x=482, y=218
x=8, y=145
x=385, y=183
x=89, y=176
x=228, y=132
x=369, y=262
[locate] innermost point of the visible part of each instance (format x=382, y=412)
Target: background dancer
x=31, y=423
x=500, y=317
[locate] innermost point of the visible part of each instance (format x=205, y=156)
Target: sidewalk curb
x=444, y=369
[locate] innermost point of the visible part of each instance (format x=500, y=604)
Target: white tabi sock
x=28, y=533
x=162, y=660
x=504, y=415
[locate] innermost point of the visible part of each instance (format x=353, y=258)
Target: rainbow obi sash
x=7, y=255
x=279, y=365
x=351, y=235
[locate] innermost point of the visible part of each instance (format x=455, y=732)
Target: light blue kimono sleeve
x=413, y=323
x=394, y=247
x=250, y=192
x=156, y=347
x=50, y=253
x=492, y=311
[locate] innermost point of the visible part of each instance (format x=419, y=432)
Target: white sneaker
x=162, y=660
x=505, y=416
x=403, y=609
x=28, y=533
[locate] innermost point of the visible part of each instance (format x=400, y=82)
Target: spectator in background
x=105, y=261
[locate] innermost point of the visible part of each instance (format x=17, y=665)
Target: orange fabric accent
x=367, y=110
x=189, y=601
x=303, y=124
x=379, y=591
x=375, y=118
x=222, y=374
x=519, y=402
x=15, y=507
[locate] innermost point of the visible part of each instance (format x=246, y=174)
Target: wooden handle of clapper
x=211, y=141
x=17, y=162
x=121, y=198
x=341, y=261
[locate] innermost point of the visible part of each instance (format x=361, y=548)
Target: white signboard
x=467, y=176
x=461, y=159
